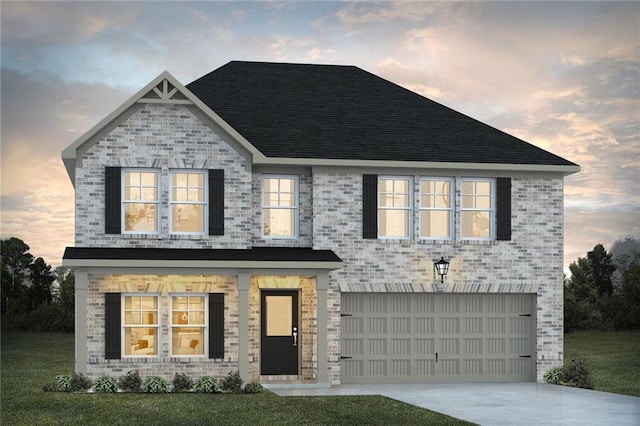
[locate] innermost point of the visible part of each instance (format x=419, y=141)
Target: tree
x=41, y=279
x=602, y=269
x=65, y=294
x=14, y=272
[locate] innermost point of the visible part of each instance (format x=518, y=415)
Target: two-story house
x=284, y=220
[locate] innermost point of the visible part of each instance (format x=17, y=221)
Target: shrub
x=80, y=382
x=50, y=387
x=63, y=383
x=253, y=387
x=206, y=384
x=106, y=384
x=576, y=374
x=182, y=383
x=130, y=382
x=155, y=384
x=553, y=376
x=231, y=383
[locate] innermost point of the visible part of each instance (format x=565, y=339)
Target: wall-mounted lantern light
x=442, y=267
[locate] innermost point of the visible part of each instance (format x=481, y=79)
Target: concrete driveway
x=500, y=403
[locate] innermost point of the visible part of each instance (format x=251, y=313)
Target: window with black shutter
x=503, y=209
x=369, y=206
x=216, y=325
x=216, y=202
x=112, y=200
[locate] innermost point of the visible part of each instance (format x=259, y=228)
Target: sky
x=564, y=76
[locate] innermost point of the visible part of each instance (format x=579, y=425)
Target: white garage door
x=437, y=338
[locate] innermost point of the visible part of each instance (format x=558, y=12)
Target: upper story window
x=436, y=208
x=188, y=202
x=188, y=324
x=477, y=207
x=141, y=201
x=394, y=207
x=280, y=206
x=140, y=325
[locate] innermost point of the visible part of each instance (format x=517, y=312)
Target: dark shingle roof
x=258, y=254
x=342, y=112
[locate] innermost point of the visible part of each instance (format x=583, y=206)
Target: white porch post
x=243, y=326
x=322, y=285
x=81, y=353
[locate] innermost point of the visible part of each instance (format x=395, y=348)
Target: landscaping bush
x=253, y=387
x=155, y=384
x=576, y=374
x=130, y=382
x=106, y=384
x=63, y=383
x=231, y=383
x=80, y=382
x=206, y=384
x=182, y=383
x=553, y=376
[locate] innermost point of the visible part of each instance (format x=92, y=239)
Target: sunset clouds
x=562, y=76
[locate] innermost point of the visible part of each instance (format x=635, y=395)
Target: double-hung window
x=280, y=206
x=394, y=207
x=188, y=324
x=140, y=325
x=141, y=201
x=477, y=209
x=188, y=202
x=436, y=208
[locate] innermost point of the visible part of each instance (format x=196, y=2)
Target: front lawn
x=29, y=360
x=613, y=358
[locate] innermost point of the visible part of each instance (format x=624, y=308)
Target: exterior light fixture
x=442, y=266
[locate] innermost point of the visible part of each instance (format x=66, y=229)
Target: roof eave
x=564, y=170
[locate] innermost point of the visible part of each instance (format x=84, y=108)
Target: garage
x=437, y=338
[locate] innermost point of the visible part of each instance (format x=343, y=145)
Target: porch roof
x=256, y=257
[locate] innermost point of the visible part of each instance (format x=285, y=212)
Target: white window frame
x=295, y=207
x=124, y=325
x=124, y=201
x=204, y=203
x=204, y=327
x=491, y=210
x=408, y=209
x=451, y=209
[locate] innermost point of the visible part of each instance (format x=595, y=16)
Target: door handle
x=436, y=356
x=295, y=336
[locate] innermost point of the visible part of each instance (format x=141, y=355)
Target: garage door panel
x=409, y=337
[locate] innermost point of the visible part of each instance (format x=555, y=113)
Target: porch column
x=322, y=285
x=243, y=326
x=81, y=353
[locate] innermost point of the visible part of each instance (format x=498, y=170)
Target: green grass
x=613, y=358
x=29, y=360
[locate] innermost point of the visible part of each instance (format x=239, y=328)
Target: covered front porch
x=276, y=308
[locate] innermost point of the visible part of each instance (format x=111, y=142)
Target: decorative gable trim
x=165, y=89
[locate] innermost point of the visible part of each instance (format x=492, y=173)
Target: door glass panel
x=279, y=315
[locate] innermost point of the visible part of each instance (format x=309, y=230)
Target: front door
x=280, y=333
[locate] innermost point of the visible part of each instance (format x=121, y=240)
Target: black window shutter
x=503, y=207
x=216, y=202
x=112, y=326
x=112, y=200
x=369, y=206
x=216, y=325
